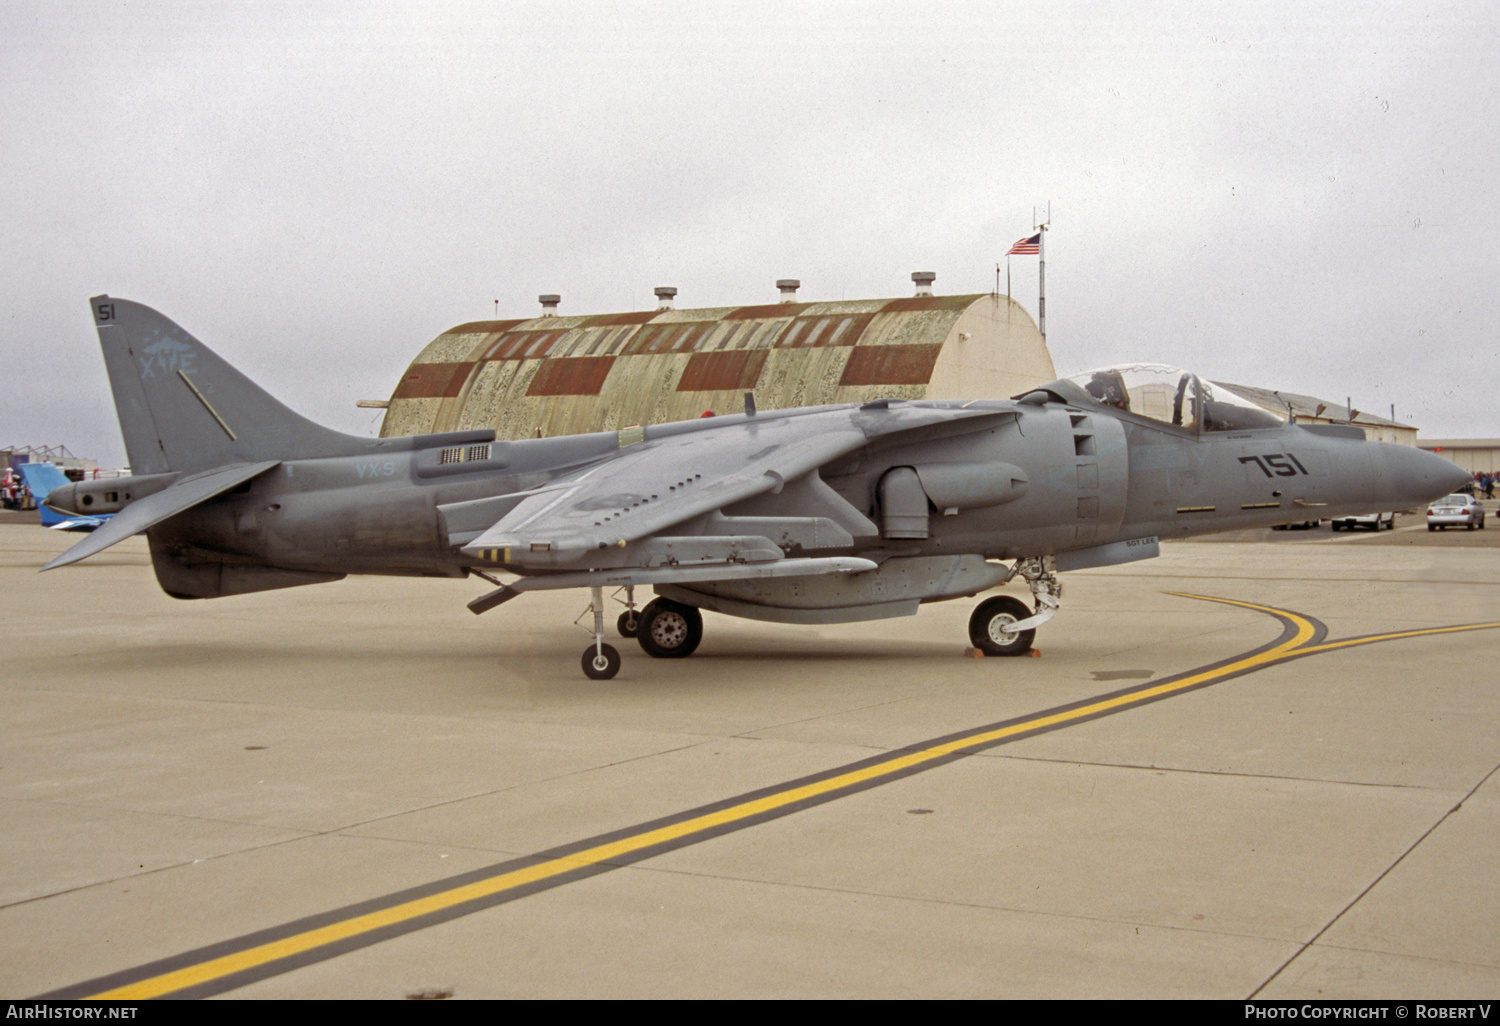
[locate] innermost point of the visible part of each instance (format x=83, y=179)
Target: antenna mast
x=1041, y=273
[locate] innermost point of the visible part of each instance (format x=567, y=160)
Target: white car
x=1374, y=521
x=1455, y=510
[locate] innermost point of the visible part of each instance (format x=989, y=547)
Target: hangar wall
x=1476, y=455
x=564, y=375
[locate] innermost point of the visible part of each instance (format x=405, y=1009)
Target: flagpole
x=1041, y=284
x=1031, y=245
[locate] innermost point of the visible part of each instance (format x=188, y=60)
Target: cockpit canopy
x=1172, y=396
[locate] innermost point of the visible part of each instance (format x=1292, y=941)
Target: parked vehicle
x=1374, y=521
x=1301, y=525
x=1454, y=510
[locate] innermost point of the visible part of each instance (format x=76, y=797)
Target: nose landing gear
x=1002, y=625
x=992, y=627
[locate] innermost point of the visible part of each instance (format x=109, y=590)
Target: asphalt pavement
x=1254, y=770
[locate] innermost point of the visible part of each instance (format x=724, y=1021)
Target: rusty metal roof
x=599, y=372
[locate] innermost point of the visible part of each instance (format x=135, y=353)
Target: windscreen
x=1174, y=396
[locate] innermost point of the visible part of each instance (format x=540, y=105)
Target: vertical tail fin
x=183, y=408
x=41, y=479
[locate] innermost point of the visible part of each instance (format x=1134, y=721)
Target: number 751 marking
x=1277, y=462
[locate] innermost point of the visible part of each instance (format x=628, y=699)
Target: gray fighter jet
x=823, y=514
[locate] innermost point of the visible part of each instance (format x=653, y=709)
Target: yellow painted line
x=308, y=940
x=1297, y=646
x=1397, y=635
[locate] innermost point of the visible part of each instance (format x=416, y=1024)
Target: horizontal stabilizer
x=73, y=523
x=183, y=495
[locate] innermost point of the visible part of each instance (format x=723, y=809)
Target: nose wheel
x=1004, y=626
x=992, y=627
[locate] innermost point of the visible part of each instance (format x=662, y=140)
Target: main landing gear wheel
x=629, y=623
x=988, y=627
x=601, y=663
x=669, y=630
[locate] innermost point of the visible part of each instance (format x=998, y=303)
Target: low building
x=1476, y=455
x=555, y=375
x=1309, y=409
x=58, y=455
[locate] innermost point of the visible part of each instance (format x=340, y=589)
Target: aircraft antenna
x=1291, y=414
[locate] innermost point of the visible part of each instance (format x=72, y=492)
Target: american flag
x=1027, y=247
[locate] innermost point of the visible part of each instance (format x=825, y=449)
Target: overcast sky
x=1293, y=195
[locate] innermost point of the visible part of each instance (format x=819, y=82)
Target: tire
x=987, y=627
x=670, y=630
x=600, y=665
x=629, y=623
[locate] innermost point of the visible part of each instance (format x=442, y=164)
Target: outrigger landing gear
x=629, y=623
x=600, y=661
x=1002, y=625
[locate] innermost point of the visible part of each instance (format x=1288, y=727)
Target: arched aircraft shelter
x=564, y=375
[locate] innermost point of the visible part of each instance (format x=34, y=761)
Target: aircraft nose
x=1451, y=479
x=1422, y=476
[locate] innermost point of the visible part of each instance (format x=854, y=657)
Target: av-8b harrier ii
x=823, y=514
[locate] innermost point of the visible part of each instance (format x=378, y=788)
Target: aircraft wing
x=652, y=486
